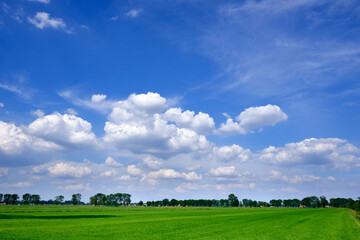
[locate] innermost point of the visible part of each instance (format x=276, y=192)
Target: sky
x=180, y=99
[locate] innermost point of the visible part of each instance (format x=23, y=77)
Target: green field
x=84, y=222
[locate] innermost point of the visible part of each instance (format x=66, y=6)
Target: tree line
x=233, y=201
x=124, y=199
x=35, y=199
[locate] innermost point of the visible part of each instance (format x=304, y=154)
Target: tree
x=14, y=198
x=26, y=198
x=233, y=200
x=149, y=203
x=323, y=201
x=59, y=199
x=312, y=201
x=276, y=203
x=35, y=199
x=76, y=198
x=127, y=198
x=7, y=198
x=173, y=202
x=1, y=197
x=165, y=202
x=141, y=203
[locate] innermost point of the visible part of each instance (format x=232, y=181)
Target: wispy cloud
x=134, y=13
x=43, y=20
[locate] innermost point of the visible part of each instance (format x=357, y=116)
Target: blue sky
x=180, y=99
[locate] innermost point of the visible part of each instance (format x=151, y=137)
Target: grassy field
x=84, y=222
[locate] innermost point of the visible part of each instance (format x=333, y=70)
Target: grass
x=84, y=222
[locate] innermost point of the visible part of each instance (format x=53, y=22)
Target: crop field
x=85, y=222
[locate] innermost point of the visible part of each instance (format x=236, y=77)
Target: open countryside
x=86, y=222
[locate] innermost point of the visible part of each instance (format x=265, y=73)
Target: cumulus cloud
x=43, y=20
x=96, y=98
x=254, y=118
x=66, y=130
x=200, y=122
x=331, y=178
x=133, y=170
x=324, y=151
x=172, y=174
x=70, y=169
x=223, y=171
x=137, y=124
x=231, y=153
x=112, y=163
x=109, y=173
x=12, y=139
x=1, y=105
x=152, y=162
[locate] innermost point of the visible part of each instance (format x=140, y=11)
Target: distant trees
x=233, y=200
x=116, y=199
x=26, y=198
x=75, y=199
x=291, y=202
x=276, y=203
x=323, y=201
x=59, y=199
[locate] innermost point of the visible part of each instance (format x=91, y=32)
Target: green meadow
x=86, y=222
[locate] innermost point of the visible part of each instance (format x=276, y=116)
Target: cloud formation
x=254, y=118
x=43, y=20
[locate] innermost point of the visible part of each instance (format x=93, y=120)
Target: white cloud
x=331, y=178
x=42, y=20
x=96, y=98
x=74, y=187
x=304, y=178
x=39, y=113
x=323, y=151
x=133, y=170
x=137, y=124
x=223, y=171
x=124, y=178
x=133, y=13
x=109, y=173
x=71, y=111
x=172, y=174
x=231, y=153
x=4, y=171
x=200, y=122
x=66, y=130
x=1, y=105
x=19, y=184
x=103, y=106
x=12, y=139
x=114, y=18
x=71, y=169
x=254, y=118
x=112, y=163
x=41, y=1
x=152, y=163
x=274, y=175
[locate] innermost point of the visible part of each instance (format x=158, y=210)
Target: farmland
x=86, y=222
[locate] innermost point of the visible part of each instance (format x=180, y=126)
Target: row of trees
x=232, y=201
x=116, y=199
x=34, y=199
